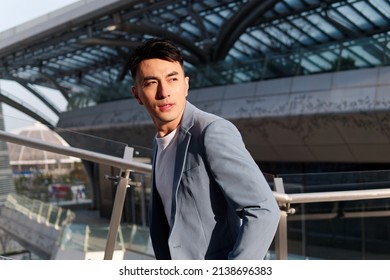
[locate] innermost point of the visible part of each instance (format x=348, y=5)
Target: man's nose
x=163, y=90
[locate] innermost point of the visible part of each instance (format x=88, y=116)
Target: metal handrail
x=332, y=196
x=76, y=152
x=147, y=168
x=284, y=200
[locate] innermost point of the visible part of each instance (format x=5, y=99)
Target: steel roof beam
x=237, y=25
x=14, y=104
x=144, y=28
x=50, y=105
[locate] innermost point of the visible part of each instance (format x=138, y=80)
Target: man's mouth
x=165, y=107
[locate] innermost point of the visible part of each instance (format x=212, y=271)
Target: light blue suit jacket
x=222, y=206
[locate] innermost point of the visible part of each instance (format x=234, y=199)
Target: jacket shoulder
x=195, y=116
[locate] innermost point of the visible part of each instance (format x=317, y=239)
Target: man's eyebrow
x=173, y=73
x=147, y=78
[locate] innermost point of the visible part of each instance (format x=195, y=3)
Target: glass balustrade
x=346, y=220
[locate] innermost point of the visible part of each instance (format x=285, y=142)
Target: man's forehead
x=158, y=69
x=159, y=64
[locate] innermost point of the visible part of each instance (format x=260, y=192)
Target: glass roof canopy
x=224, y=42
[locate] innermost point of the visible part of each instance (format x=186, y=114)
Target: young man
x=209, y=199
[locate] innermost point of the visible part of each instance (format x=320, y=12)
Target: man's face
x=162, y=88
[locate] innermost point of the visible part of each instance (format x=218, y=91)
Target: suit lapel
x=183, y=141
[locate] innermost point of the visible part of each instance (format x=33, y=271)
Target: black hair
x=154, y=48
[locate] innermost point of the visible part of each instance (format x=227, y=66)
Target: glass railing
x=84, y=238
x=339, y=215
x=325, y=215
x=93, y=238
x=41, y=212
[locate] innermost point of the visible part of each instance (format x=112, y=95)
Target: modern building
x=6, y=180
x=27, y=161
x=306, y=83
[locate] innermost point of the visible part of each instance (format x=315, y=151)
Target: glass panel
x=356, y=229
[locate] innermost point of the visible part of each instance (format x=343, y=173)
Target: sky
x=13, y=13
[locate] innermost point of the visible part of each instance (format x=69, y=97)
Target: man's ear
x=135, y=93
x=187, y=79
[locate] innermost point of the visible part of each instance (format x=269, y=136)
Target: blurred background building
x=6, y=180
x=27, y=161
x=306, y=83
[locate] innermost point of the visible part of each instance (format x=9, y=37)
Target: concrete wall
x=331, y=117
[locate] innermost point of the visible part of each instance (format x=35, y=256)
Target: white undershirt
x=164, y=169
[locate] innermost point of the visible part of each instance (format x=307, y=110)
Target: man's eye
x=150, y=83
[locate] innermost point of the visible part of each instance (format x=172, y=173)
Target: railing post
x=40, y=212
x=57, y=222
x=50, y=209
x=281, y=245
x=31, y=210
x=119, y=201
x=86, y=238
x=116, y=215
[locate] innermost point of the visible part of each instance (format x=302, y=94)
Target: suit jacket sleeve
x=245, y=188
